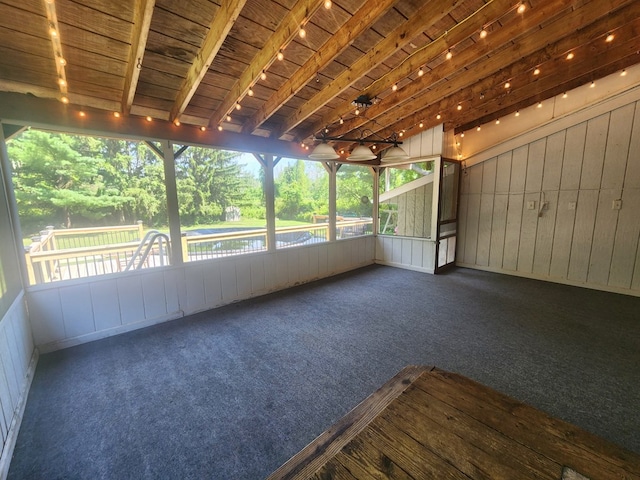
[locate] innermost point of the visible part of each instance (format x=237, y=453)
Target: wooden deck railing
x=47, y=262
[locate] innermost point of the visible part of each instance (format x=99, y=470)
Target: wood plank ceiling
x=421, y=63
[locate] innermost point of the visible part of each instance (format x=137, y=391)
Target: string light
x=565, y=95
x=263, y=75
x=539, y=104
x=536, y=71
x=82, y=114
x=357, y=112
x=219, y=128
x=593, y=84
x=522, y=8
x=570, y=55
x=623, y=73
x=449, y=55
x=52, y=30
x=478, y=128
x=394, y=87
x=203, y=128
x=64, y=100
x=302, y=32
x=438, y=116
x=459, y=106
x=421, y=125
x=483, y=33
x=176, y=122
x=507, y=85
x=462, y=135
x=341, y=121
x=149, y=118
x=250, y=92
x=610, y=38
x=327, y=4
x=116, y=114
x=280, y=55
x=62, y=82
x=228, y=118
x=238, y=106
x=497, y=121
x=421, y=72
x=517, y=113
x=62, y=61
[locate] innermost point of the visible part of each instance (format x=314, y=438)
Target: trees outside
x=75, y=181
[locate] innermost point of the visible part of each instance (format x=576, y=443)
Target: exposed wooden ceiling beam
x=218, y=30
x=18, y=109
x=505, y=35
x=434, y=10
x=141, y=24
x=300, y=13
x=337, y=43
x=488, y=73
x=596, y=66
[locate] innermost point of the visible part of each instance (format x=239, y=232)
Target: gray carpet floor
x=232, y=393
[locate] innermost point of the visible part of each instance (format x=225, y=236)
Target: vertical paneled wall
x=17, y=365
x=563, y=207
x=86, y=310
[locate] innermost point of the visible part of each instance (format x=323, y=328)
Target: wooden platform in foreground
x=426, y=423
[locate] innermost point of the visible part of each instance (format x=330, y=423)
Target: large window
x=301, y=203
x=221, y=203
x=86, y=205
x=354, y=202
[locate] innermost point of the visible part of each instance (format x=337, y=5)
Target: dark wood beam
x=18, y=109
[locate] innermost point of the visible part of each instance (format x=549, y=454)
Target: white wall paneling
x=545, y=208
x=406, y=252
x=79, y=311
x=18, y=358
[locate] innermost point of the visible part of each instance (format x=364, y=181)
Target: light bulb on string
x=280, y=55
x=263, y=75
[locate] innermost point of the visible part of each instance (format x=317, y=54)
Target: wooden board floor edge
x=331, y=441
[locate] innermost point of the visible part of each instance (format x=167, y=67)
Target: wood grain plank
x=500, y=448
x=552, y=437
x=365, y=461
x=314, y=455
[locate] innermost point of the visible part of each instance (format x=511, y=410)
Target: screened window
x=86, y=204
x=354, y=203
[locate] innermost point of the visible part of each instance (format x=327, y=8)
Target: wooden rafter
x=218, y=31
x=286, y=31
x=488, y=72
x=506, y=36
x=362, y=20
x=401, y=36
x=141, y=24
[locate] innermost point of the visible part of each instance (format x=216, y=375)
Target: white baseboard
x=12, y=435
x=405, y=266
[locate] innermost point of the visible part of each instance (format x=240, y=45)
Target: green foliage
x=354, y=186
x=298, y=196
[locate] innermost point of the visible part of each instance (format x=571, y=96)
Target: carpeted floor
x=234, y=392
